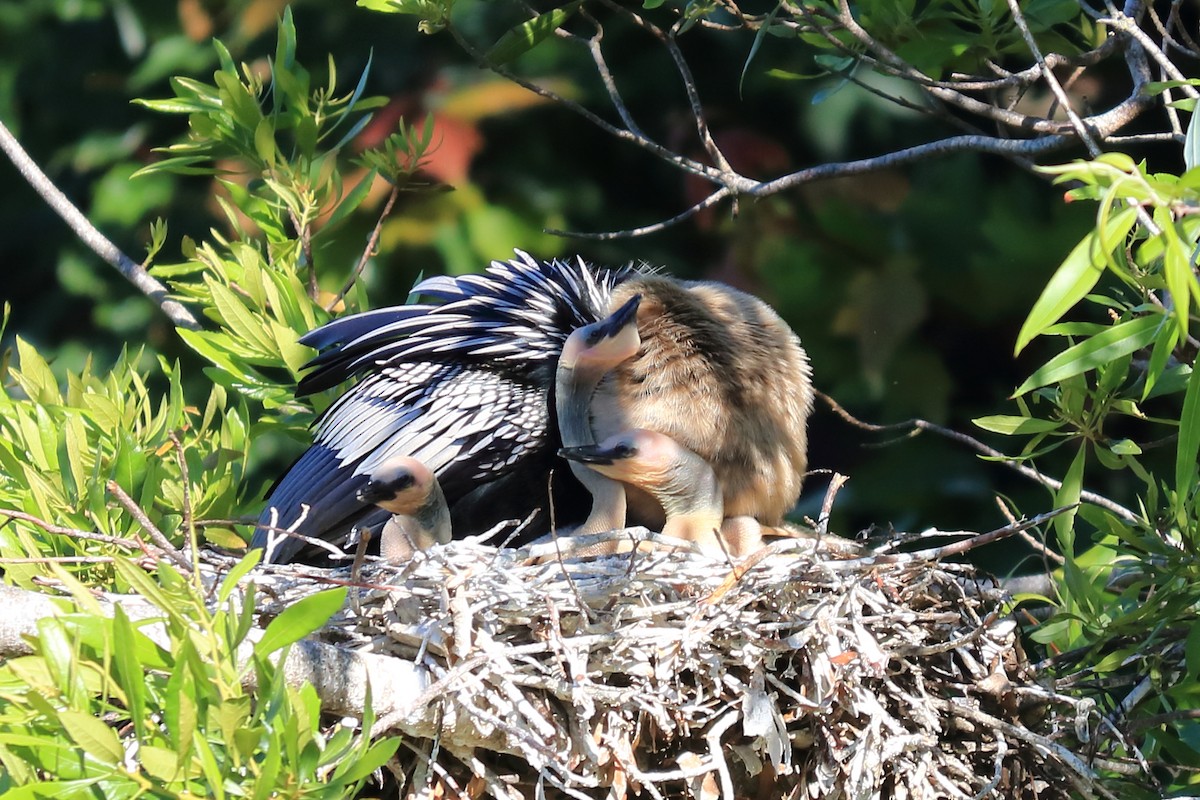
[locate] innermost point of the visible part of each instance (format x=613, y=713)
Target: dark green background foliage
x=906, y=287
x=911, y=288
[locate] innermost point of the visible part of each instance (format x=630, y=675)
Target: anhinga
x=409, y=491
x=682, y=483
x=466, y=386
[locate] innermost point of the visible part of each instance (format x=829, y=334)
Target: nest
x=661, y=673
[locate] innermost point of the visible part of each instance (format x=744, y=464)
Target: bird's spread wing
x=462, y=386
x=516, y=314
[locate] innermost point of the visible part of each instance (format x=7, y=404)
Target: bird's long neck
x=434, y=516
x=692, y=499
x=574, y=387
x=426, y=525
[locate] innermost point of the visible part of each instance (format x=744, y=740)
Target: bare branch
x=372, y=243
x=172, y=552
x=682, y=162
x=915, y=426
x=97, y=242
x=74, y=533
x=707, y=202
x=1056, y=88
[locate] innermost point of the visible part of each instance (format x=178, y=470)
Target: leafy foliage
x=101, y=707
x=59, y=449
x=859, y=267
x=112, y=707
x=1130, y=584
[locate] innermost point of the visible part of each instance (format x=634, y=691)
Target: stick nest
x=662, y=674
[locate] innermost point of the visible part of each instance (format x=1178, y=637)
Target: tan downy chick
x=723, y=375
x=680, y=481
x=420, y=517
x=587, y=356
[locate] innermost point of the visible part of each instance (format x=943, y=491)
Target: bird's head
x=606, y=343
x=400, y=485
x=639, y=457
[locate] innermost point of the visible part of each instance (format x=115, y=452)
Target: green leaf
x=1177, y=269
x=1119, y=340
x=300, y=619
x=1164, y=345
x=524, y=37
x=128, y=671
x=351, y=201
x=55, y=648
x=161, y=763
x=1192, y=652
x=264, y=141
x=1064, y=524
x=1189, y=438
x=1191, y=144
x=1075, y=277
x=95, y=737
x=1009, y=425
x=248, y=562
x=370, y=761
x=757, y=43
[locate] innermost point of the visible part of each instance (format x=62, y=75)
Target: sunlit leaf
x=1075, y=277
x=524, y=37
x=1009, y=425
x=95, y=737
x=300, y=619
x=1119, y=340
x=1189, y=438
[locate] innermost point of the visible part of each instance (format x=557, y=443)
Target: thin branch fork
x=915, y=426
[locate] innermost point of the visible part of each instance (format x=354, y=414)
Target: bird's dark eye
x=624, y=451
x=593, y=337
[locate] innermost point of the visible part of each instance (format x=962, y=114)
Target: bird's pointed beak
x=591, y=454
x=621, y=318
x=603, y=344
x=373, y=492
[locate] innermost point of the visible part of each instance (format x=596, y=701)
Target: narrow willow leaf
x=1189, y=438
x=351, y=201
x=300, y=619
x=524, y=37
x=370, y=761
x=1164, y=345
x=1119, y=340
x=1009, y=425
x=1191, y=650
x=95, y=737
x=248, y=562
x=1177, y=270
x=129, y=672
x=173, y=105
x=1075, y=277
x=1191, y=144
x=757, y=43
x=1064, y=526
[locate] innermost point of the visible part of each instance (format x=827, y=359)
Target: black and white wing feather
x=462, y=385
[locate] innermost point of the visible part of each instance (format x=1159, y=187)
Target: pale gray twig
x=96, y=241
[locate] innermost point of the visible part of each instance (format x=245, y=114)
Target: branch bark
x=96, y=241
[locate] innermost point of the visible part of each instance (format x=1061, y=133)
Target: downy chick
x=680, y=481
x=420, y=518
